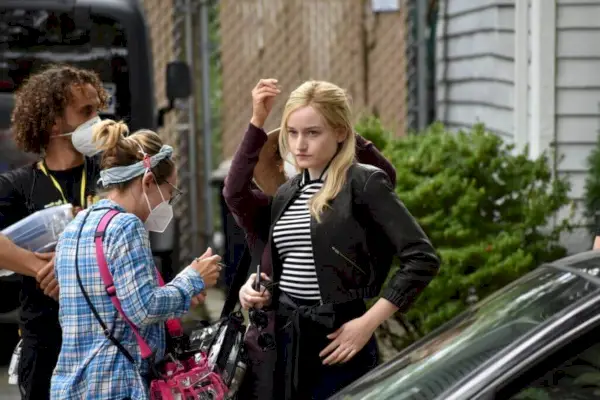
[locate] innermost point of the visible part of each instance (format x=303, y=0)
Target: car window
x=571, y=372
x=467, y=342
x=578, y=378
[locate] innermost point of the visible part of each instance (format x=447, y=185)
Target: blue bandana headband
x=126, y=173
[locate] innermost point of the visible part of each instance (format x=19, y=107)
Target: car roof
x=577, y=259
x=585, y=265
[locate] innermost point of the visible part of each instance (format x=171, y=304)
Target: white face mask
x=160, y=216
x=82, y=138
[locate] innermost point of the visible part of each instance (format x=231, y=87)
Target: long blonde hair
x=333, y=104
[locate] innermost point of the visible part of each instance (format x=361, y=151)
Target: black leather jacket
x=357, y=238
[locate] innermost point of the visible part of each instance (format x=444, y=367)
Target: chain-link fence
x=195, y=42
x=412, y=95
x=185, y=124
x=174, y=33
x=164, y=25
x=294, y=40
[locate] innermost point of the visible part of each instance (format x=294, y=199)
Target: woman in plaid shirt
x=139, y=177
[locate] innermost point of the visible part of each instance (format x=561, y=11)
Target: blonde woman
x=334, y=229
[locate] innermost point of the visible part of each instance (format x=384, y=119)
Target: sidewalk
x=7, y=392
x=210, y=310
x=214, y=304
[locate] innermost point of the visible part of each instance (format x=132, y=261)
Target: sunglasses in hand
x=260, y=319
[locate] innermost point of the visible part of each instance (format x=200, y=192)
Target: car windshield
x=463, y=345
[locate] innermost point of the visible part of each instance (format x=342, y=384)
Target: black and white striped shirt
x=292, y=238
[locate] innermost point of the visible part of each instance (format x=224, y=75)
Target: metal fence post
x=192, y=143
x=412, y=92
x=185, y=121
x=205, y=52
x=422, y=68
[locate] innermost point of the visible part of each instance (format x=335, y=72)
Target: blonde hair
x=120, y=149
x=333, y=104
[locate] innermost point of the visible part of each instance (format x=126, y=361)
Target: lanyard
x=42, y=167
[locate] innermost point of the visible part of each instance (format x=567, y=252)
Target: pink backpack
x=177, y=379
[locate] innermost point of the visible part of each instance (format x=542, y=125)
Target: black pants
x=302, y=342
x=38, y=359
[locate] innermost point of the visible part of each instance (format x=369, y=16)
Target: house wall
x=475, y=64
x=577, y=97
x=476, y=80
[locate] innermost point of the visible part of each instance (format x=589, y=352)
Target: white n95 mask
x=82, y=138
x=160, y=216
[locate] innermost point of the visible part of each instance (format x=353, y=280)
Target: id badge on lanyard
x=83, y=202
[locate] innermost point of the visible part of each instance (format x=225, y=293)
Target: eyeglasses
x=175, y=195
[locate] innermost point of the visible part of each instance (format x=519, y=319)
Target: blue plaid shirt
x=89, y=365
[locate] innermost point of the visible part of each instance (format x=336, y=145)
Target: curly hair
x=43, y=98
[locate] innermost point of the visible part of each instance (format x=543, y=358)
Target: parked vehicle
x=109, y=37
x=538, y=338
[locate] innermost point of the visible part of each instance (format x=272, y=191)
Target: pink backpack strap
x=109, y=284
x=174, y=326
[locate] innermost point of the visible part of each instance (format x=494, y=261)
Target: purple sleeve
x=367, y=153
x=245, y=202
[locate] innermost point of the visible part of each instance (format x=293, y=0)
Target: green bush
x=372, y=129
x=592, y=189
x=487, y=210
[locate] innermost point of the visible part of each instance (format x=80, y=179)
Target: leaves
x=488, y=211
x=592, y=188
x=371, y=129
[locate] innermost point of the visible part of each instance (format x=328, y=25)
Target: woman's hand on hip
x=346, y=342
x=249, y=297
x=263, y=98
x=208, y=266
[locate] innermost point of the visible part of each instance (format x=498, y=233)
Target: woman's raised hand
x=208, y=266
x=263, y=98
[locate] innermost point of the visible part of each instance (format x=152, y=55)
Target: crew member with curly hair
x=53, y=116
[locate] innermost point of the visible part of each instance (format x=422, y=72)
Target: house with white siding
x=530, y=71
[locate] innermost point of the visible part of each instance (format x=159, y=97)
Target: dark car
x=538, y=338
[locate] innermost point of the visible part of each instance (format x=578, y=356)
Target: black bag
x=262, y=354
x=223, y=340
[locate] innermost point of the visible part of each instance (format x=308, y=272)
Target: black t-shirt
x=24, y=191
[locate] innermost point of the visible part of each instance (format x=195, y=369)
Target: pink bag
x=187, y=379
x=192, y=381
